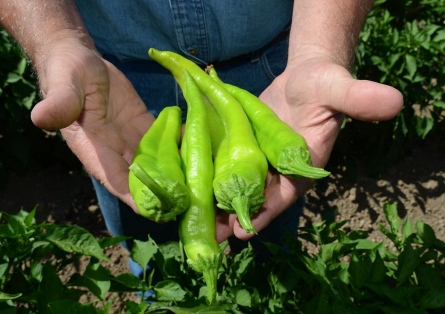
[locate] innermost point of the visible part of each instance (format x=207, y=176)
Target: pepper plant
x=342, y=272
x=402, y=44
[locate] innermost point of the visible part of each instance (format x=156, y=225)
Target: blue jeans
x=157, y=88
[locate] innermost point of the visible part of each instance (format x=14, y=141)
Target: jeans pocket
x=273, y=59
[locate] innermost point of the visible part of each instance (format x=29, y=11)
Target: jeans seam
x=266, y=67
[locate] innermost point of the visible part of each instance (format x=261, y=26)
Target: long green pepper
x=156, y=180
x=240, y=165
x=285, y=149
x=197, y=228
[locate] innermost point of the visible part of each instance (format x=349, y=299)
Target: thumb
x=365, y=100
x=60, y=108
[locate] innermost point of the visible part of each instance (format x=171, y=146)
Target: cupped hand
x=313, y=95
x=99, y=113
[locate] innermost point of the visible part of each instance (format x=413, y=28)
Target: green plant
x=402, y=44
x=345, y=273
x=339, y=272
x=22, y=145
x=31, y=255
x=17, y=95
x=156, y=180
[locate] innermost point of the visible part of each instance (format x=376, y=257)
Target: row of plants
x=342, y=272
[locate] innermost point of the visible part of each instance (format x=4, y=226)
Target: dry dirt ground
x=65, y=195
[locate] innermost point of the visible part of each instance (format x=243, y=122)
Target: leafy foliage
x=22, y=145
x=403, y=45
x=341, y=273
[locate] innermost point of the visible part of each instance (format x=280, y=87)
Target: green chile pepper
x=156, y=180
x=197, y=227
x=240, y=165
x=285, y=149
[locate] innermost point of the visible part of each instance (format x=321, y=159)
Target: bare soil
x=65, y=195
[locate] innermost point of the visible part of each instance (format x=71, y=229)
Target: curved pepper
x=197, y=227
x=285, y=149
x=156, y=180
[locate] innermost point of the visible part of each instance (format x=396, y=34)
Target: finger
x=365, y=100
x=281, y=193
x=224, y=225
x=61, y=107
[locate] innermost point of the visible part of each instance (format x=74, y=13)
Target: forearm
x=35, y=24
x=329, y=27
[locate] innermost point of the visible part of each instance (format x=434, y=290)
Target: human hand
x=312, y=95
x=100, y=115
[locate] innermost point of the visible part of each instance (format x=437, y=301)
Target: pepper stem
x=150, y=183
x=210, y=277
x=296, y=163
x=241, y=206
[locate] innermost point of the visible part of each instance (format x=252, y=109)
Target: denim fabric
x=158, y=89
x=205, y=30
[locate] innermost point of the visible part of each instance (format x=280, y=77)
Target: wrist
x=311, y=51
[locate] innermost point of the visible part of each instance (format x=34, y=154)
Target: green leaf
x=128, y=280
x=393, y=58
x=243, y=298
x=364, y=244
x=344, y=306
x=282, y=279
x=13, y=78
x=50, y=288
x=21, y=66
x=136, y=308
x=424, y=126
x=407, y=230
x=170, y=249
x=378, y=269
x=434, y=299
x=4, y=263
x=392, y=216
x=71, y=307
x=358, y=269
x=142, y=252
x=97, y=279
x=201, y=309
x=389, y=234
x=429, y=277
x=169, y=291
x=320, y=303
x=13, y=229
x=6, y=296
x=439, y=104
x=425, y=233
x=171, y=267
x=333, y=251
x=30, y=218
x=408, y=261
x=440, y=36
x=243, y=260
x=74, y=239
